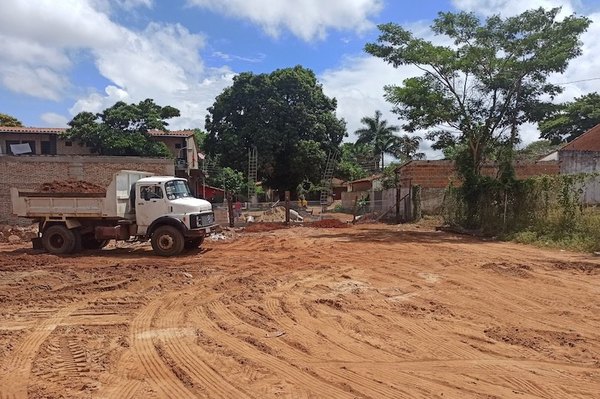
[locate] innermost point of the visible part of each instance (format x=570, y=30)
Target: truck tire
x=59, y=240
x=193, y=243
x=88, y=241
x=167, y=241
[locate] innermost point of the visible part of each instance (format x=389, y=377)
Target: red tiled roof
x=56, y=130
x=367, y=179
x=588, y=141
x=39, y=130
x=171, y=133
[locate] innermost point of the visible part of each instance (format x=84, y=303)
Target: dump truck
x=134, y=206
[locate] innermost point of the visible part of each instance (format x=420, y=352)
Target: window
x=68, y=143
x=178, y=146
x=148, y=193
x=177, y=189
x=13, y=142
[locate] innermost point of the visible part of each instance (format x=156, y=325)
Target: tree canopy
x=123, y=129
x=285, y=115
x=492, y=78
x=570, y=120
x=7, y=120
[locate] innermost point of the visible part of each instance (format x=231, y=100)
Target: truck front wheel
x=59, y=240
x=167, y=241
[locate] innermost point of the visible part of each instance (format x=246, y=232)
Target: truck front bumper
x=202, y=231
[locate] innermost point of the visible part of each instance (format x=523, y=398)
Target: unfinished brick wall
x=438, y=174
x=434, y=177
x=28, y=172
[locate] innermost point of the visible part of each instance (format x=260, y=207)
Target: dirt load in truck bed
x=71, y=186
x=367, y=311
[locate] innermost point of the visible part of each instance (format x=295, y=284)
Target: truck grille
x=202, y=220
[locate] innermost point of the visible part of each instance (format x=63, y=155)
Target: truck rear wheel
x=193, y=243
x=59, y=240
x=167, y=241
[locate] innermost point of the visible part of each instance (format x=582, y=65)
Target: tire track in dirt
x=18, y=367
x=161, y=376
x=286, y=351
x=185, y=357
x=302, y=378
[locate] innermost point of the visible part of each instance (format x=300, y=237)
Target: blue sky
x=63, y=56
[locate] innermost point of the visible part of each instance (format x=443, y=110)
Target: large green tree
x=283, y=114
x=475, y=92
x=356, y=161
x=123, y=129
x=11, y=121
x=568, y=121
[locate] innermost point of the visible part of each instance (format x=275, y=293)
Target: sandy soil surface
x=370, y=311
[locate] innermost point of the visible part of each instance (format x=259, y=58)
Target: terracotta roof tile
x=56, y=130
x=24, y=129
x=588, y=141
x=171, y=133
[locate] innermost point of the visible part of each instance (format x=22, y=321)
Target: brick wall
x=29, y=172
x=438, y=174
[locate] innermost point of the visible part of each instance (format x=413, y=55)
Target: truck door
x=151, y=204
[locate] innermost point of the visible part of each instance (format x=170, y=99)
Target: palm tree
x=378, y=134
x=408, y=148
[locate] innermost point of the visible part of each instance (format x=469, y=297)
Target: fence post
x=287, y=208
x=398, y=199
x=230, y=210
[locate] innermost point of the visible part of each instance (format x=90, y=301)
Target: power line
x=577, y=81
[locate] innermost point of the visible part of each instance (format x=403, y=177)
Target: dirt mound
x=72, y=186
x=16, y=234
x=507, y=269
x=328, y=224
x=260, y=227
x=583, y=267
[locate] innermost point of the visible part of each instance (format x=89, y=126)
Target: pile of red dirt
x=260, y=227
x=72, y=186
x=328, y=224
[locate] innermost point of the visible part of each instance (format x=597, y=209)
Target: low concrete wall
x=29, y=172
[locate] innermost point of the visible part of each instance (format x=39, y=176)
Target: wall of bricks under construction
x=434, y=177
x=29, y=172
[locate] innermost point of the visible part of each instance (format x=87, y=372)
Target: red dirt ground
x=370, y=311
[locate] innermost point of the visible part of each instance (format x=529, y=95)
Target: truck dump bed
x=114, y=203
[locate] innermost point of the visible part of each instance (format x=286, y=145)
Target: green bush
x=545, y=210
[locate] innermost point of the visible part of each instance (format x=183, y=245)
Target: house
x=49, y=141
x=368, y=187
x=41, y=141
x=338, y=186
x=582, y=155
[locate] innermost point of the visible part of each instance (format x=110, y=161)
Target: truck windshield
x=177, y=189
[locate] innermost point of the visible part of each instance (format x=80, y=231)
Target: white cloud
x=52, y=119
x=43, y=39
x=358, y=87
x=307, y=19
x=511, y=7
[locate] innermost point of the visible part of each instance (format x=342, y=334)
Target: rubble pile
x=17, y=234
